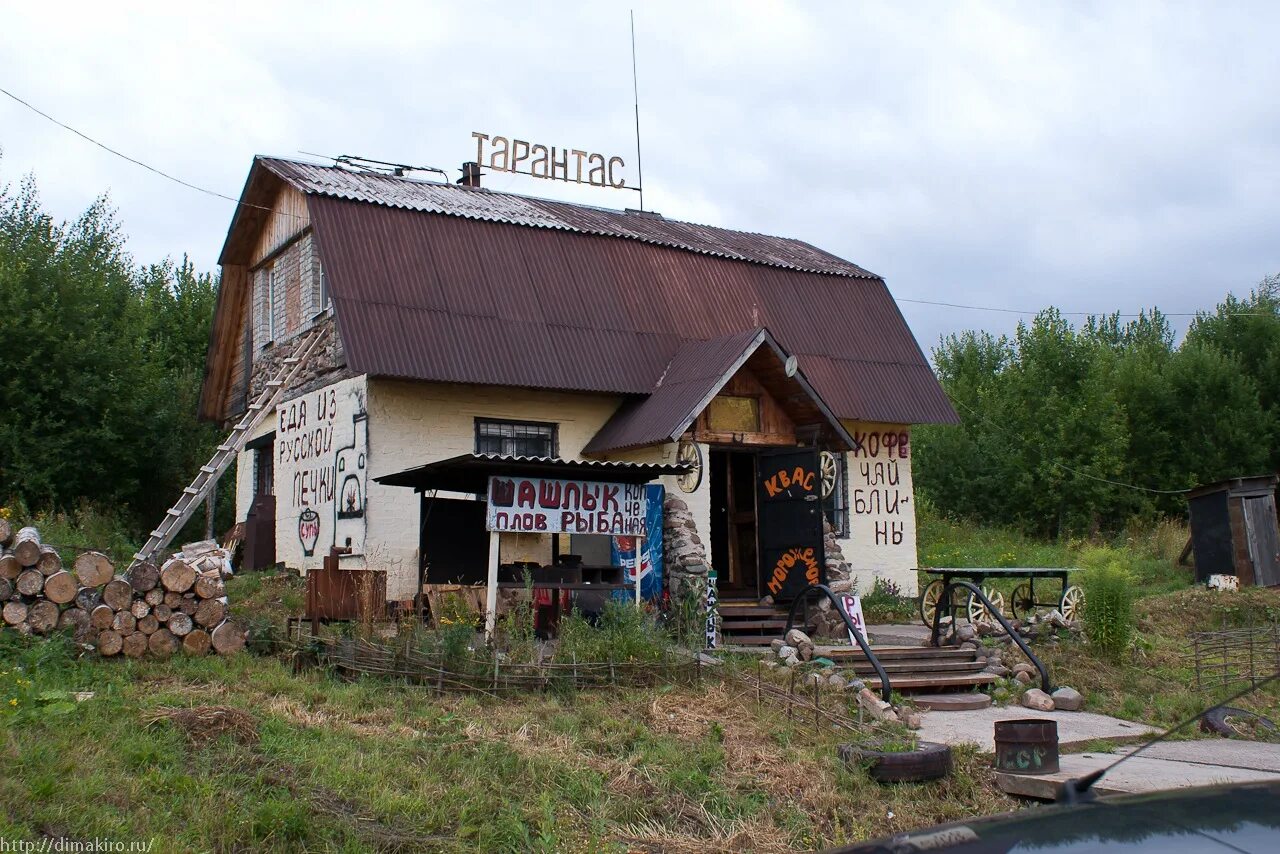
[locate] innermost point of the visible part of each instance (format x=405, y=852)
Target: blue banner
x=622, y=550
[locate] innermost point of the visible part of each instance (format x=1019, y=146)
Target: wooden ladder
x=178, y=515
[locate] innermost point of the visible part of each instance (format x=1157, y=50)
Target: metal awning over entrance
x=471, y=472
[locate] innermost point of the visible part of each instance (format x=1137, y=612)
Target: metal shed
x=1234, y=530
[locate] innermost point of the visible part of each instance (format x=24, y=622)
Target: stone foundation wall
x=688, y=570
x=829, y=624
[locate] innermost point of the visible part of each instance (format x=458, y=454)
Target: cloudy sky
x=1094, y=156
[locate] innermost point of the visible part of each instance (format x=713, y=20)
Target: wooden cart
x=1024, y=600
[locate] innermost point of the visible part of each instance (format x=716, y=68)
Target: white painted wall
x=881, y=502
x=413, y=423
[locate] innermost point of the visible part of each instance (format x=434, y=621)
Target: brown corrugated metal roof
x=422, y=295
x=489, y=206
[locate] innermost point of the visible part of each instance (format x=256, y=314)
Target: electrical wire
x=137, y=162
x=1068, y=468
x=1078, y=313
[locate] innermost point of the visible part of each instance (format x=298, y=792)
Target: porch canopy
x=470, y=473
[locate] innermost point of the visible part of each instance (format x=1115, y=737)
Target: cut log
x=177, y=576
x=180, y=625
x=102, y=616
x=124, y=622
x=135, y=645
x=173, y=600
x=30, y=582
x=189, y=606
x=49, y=561
x=94, y=569
x=6, y=589
x=154, y=596
x=162, y=644
x=210, y=587
x=60, y=588
x=196, y=643
x=148, y=624
x=227, y=638
x=139, y=608
x=76, y=620
x=6, y=532
x=161, y=612
x=10, y=568
x=118, y=594
x=26, y=546
x=88, y=598
x=42, y=617
x=110, y=642
x=15, y=613
x=210, y=613
x=144, y=576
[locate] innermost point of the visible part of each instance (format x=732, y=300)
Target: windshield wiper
x=1078, y=789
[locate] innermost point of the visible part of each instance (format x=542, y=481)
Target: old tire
x=1218, y=721
x=929, y=761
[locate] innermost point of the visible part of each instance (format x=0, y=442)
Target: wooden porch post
x=491, y=593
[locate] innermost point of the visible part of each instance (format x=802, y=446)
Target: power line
x=1076, y=313
x=137, y=162
x=1068, y=468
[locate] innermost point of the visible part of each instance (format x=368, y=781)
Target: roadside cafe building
x=478, y=384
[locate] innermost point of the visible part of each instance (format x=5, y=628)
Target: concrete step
x=843, y=654
x=913, y=682
x=964, y=701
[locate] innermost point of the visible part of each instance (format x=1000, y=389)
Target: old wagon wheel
x=929, y=599
x=978, y=612
x=690, y=454
x=1022, y=603
x=830, y=473
x=1071, y=602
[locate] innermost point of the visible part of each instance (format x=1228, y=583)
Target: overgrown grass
x=373, y=765
x=86, y=527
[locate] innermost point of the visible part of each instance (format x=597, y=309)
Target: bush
x=622, y=633
x=886, y=604
x=1108, y=609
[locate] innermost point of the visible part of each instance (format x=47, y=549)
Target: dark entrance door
x=789, y=502
x=260, y=522
x=733, y=523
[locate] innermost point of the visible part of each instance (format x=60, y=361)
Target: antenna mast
x=635, y=90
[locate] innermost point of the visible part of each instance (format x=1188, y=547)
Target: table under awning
x=472, y=474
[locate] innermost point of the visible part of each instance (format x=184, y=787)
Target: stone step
x=927, y=681
x=965, y=701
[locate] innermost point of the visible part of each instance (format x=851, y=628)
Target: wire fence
x=357, y=657
x=1233, y=656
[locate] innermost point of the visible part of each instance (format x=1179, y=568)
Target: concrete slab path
x=1075, y=729
x=1145, y=774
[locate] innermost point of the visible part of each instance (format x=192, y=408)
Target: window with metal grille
x=836, y=505
x=516, y=438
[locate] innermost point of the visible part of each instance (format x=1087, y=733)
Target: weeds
x=1108, y=609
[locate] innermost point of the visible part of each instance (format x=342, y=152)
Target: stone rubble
x=1038, y=700
x=1068, y=699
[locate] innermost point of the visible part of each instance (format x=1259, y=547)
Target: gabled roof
x=696, y=374
x=453, y=284
x=486, y=205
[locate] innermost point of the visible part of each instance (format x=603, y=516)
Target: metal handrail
x=885, y=689
x=995, y=612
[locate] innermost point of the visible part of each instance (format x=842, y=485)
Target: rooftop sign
x=565, y=164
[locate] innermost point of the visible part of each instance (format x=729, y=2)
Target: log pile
x=152, y=610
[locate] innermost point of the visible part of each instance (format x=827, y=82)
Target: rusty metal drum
x=1026, y=746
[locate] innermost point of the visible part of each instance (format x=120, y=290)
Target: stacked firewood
x=154, y=610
